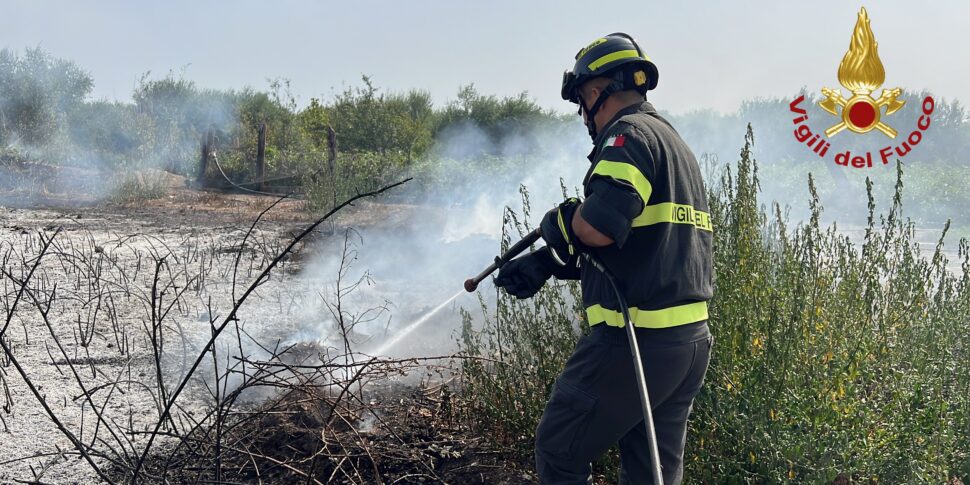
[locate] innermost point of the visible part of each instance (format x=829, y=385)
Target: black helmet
x=617, y=55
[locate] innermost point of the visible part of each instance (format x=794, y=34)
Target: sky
x=711, y=55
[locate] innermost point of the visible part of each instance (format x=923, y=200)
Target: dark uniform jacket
x=644, y=190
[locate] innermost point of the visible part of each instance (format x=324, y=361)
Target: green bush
x=830, y=356
x=135, y=186
x=352, y=173
x=37, y=94
x=396, y=124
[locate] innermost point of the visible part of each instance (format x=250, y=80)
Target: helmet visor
x=569, y=86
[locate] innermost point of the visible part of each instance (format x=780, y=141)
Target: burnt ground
x=98, y=281
x=408, y=434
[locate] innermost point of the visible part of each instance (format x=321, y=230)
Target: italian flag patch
x=615, y=141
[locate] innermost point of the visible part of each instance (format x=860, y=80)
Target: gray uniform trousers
x=595, y=403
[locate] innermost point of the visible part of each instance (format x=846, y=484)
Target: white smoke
x=412, y=265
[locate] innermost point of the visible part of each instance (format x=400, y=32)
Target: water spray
x=471, y=284
x=413, y=326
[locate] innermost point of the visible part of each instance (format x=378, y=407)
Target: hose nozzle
x=471, y=284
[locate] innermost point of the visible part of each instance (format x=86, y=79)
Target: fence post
x=204, y=157
x=332, y=161
x=261, y=156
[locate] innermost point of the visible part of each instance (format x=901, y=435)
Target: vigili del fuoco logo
x=862, y=73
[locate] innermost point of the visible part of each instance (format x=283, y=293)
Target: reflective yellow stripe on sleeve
x=565, y=233
x=673, y=213
x=628, y=173
x=663, y=318
x=656, y=213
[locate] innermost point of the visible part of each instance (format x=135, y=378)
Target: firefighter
x=646, y=217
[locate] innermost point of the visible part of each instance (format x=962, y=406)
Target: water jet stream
x=404, y=332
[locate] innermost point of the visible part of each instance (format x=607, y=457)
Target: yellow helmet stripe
x=613, y=56
x=590, y=46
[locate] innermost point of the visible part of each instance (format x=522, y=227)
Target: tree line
x=46, y=110
x=48, y=114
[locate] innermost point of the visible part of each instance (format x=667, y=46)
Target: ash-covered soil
x=109, y=281
x=103, y=301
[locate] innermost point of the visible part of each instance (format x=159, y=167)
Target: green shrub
x=352, y=173
x=831, y=357
x=38, y=92
x=133, y=186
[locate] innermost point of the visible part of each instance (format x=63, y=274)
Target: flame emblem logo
x=861, y=72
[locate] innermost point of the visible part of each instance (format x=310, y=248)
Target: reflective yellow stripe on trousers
x=663, y=318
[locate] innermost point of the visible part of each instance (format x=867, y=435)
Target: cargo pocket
x=565, y=419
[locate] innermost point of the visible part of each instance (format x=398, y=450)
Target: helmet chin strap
x=591, y=112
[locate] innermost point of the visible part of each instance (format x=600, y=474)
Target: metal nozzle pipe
x=471, y=284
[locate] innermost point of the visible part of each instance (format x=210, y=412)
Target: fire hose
x=472, y=283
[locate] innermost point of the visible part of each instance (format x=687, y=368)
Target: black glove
x=557, y=229
x=523, y=277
